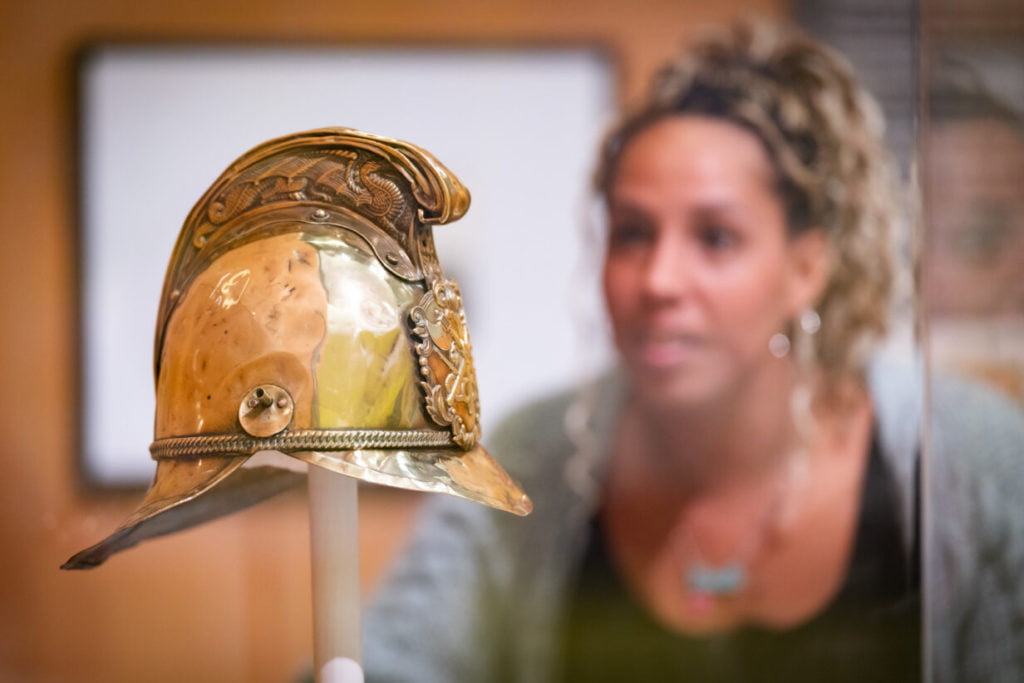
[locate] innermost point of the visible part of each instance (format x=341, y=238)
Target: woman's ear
x=811, y=265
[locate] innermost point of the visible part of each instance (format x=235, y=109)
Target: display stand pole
x=334, y=544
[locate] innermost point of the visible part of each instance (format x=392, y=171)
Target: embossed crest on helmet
x=445, y=360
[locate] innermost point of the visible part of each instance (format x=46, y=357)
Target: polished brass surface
x=305, y=312
x=395, y=189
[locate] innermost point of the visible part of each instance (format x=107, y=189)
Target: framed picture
x=158, y=123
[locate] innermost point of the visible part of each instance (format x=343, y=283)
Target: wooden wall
x=228, y=601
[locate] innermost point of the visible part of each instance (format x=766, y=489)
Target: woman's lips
x=661, y=351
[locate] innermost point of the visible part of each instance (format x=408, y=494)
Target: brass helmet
x=305, y=313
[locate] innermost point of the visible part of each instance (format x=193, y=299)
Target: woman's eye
x=629, y=234
x=717, y=237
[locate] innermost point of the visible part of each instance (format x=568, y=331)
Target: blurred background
x=230, y=601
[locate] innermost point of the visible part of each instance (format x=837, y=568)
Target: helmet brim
x=473, y=475
x=176, y=500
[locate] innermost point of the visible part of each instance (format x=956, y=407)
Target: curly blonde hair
x=823, y=133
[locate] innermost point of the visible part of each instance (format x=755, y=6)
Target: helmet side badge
x=446, y=362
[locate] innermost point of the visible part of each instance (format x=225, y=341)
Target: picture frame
x=157, y=123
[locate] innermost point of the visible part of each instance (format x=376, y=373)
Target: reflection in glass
x=972, y=175
x=974, y=258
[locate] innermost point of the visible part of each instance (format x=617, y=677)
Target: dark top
x=871, y=631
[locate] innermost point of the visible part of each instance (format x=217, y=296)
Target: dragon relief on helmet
x=342, y=177
x=445, y=360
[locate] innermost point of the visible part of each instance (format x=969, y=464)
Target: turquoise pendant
x=722, y=581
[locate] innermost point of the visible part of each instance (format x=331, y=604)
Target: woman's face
x=700, y=271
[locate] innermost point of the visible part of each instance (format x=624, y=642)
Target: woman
x=737, y=503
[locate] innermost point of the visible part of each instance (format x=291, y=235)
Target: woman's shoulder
x=959, y=413
x=975, y=454
x=974, y=436
x=960, y=409
x=550, y=428
x=973, y=473
x=540, y=418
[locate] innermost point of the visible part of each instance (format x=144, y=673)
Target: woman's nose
x=668, y=273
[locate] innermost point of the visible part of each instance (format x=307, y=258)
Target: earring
x=810, y=321
x=803, y=343
x=779, y=345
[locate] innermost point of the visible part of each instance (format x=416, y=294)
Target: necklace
x=706, y=583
